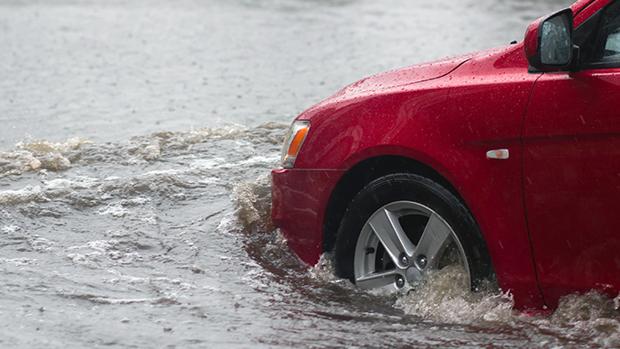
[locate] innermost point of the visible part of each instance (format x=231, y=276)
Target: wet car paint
x=488, y=101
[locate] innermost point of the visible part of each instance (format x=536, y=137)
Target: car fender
x=449, y=125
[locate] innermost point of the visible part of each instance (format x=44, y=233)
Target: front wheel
x=402, y=227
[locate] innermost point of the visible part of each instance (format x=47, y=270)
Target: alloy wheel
x=401, y=244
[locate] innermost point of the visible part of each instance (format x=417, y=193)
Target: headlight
x=294, y=140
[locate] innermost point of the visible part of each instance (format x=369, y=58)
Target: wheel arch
x=364, y=172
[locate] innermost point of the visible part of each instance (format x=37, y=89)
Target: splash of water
x=253, y=204
x=44, y=155
x=324, y=270
x=590, y=316
x=446, y=297
x=36, y=155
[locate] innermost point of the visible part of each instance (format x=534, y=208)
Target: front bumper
x=299, y=200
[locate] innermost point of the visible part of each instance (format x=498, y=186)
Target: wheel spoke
x=433, y=239
x=377, y=280
x=386, y=226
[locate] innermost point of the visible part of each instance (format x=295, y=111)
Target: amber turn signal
x=294, y=141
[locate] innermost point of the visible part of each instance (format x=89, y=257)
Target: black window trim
x=597, y=65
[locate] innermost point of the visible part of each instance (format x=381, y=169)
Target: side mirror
x=549, y=42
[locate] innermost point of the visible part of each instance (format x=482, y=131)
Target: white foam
x=24, y=195
x=204, y=164
x=18, y=261
x=78, y=182
x=445, y=297
x=253, y=204
x=589, y=316
x=260, y=159
x=40, y=244
x=324, y=269
x=10, y=229
x=38, y=156
x=115, y=210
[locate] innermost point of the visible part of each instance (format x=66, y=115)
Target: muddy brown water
x=136, y=141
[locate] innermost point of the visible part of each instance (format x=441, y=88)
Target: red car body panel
x=447, y=115
x=299, y=199
x=401, y=77
x=572, y=181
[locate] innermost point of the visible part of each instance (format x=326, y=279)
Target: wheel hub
x=389, y=254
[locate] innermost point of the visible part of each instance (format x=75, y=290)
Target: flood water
x=136, y=141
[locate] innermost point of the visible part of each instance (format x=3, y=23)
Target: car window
x=610, y=33
x=612, y=46
x=599, y=38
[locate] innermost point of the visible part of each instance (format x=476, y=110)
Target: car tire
x=418, y=191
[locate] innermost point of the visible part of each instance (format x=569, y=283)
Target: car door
x=571, y=166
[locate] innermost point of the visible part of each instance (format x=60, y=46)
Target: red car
x=505, y=161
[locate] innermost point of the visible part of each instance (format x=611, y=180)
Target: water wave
x=44, y=155
x=159, y=217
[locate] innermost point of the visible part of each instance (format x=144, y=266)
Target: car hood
x=403, y=76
